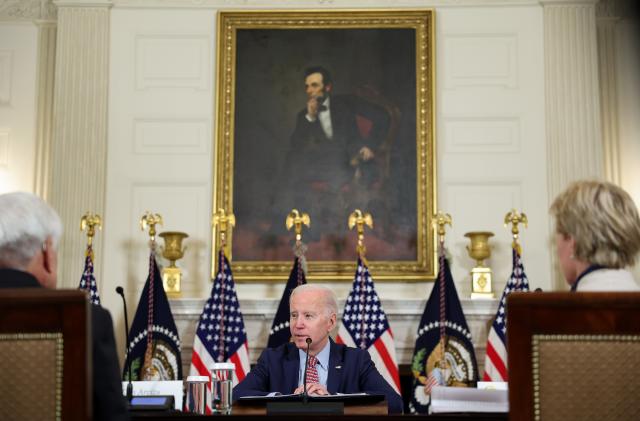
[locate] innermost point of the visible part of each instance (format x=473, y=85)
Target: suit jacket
x=108, y=401
x=350, y=371
x=317, y=155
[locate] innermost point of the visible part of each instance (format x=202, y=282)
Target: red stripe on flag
x=339, y=340
x=431, y=381
x=199, y=365
x=388, y=362
x=497, y=361
x=235, y=358
x=202, y=370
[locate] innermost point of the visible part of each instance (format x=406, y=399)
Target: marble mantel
x=404, y=316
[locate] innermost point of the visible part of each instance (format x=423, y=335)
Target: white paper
x=493, y=385
x=466, y=399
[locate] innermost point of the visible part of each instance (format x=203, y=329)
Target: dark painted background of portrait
x=270, y=93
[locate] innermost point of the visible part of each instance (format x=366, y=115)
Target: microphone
x=120, y=292
x=305, y=396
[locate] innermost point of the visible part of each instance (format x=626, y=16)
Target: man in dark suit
x=328, y=152
x=332, y=368
x=29, y=234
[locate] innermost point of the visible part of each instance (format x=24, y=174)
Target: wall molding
x=460, y=73
x=574, y=132
x=303, y=4
x=27, y=10
x=79, y=143
x=6, y=71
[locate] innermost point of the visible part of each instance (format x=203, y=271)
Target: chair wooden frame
x=64, y=314
x=531, y=316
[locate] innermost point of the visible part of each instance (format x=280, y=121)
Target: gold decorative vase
x=172, y=251
x=481, y=274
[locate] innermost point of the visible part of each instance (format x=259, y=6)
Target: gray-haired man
x=29, y=234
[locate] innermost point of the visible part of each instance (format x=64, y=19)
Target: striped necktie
x=312, y=371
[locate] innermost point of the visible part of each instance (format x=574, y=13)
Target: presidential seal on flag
x=454, y=368
x=444, y=354
x=154, y=344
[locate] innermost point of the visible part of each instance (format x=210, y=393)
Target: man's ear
x=49, y=264
x=328, y=87
x=332, y=320
x=47, y=256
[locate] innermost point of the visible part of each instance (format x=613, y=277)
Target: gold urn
x=481, y=274
x=172, y=251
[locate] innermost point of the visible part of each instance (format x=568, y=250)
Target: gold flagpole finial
x=225, y=223
x=90, y=222
x=150, y=220
x=359, y=220
x=296, y=219
x=441, y=219
x=515, y=218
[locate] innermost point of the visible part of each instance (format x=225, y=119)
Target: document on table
x=356, y=398
x=466, y=399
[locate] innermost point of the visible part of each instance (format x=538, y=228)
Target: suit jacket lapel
x=291, y=369
x=334, y=377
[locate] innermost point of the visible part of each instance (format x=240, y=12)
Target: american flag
x=495, y=366
x=365, y=325
x=88, y=281
x=220, y=335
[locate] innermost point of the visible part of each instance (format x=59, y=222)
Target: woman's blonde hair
x=602, y=219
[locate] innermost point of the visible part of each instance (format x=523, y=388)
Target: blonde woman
x=597, y=236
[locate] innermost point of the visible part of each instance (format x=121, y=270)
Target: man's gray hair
x=330, y=301
x=26, y=222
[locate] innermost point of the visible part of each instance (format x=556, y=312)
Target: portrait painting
x=326, y=113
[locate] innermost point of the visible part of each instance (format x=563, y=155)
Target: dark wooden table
x=168, y=416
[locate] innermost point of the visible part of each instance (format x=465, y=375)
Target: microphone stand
x=120, y=291
x=305, y=395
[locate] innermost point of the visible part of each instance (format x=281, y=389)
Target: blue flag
x=88, y=281
x=444, y=352
x=154, y=347
x=280, y=332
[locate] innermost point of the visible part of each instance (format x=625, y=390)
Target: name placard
x=155, y=388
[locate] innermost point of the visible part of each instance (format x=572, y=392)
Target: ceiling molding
x=27, y=10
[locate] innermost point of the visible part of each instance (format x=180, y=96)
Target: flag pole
x=150, y=220
x=296, y=219
x=359, y=219
x=516, y=218
x=225, y=223
x=442, y=219
x=89, y=222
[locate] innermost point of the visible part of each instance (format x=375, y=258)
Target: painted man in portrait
x=331, y=163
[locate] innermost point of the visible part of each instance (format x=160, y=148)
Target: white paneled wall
x=160, y=143
x=18, y=52
x=491, y=139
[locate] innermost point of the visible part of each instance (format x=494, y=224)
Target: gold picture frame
x=383, y=59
